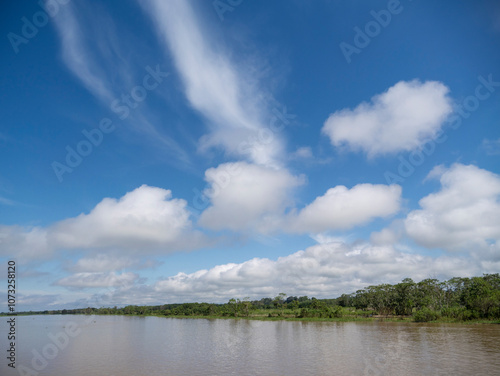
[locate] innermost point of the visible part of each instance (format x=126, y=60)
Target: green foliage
x=425, y=314
x=404, y=297
x=458, y=313
x=458, y=299
x=322, y=311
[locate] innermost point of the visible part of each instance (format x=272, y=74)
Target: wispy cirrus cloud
x=100, y=279
x=491, y=147
x=6, y=201
x=77, y=56
x=214, y=86
x=103, y=263
x=95, y=54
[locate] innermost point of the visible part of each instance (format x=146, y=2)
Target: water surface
x=80, y=345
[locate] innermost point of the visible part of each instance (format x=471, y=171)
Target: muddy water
x=132, y=346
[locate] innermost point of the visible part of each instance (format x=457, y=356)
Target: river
x=77, y=345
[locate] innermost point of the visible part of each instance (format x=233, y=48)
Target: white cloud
x=463, y=215
x=112, y=261
x=303, y=152
x=491, y=147
x=103, y=263
x=147, y=217
x=324, y=238
x=144, y=220
x=93, y=280
x=401, y=119
x=77, y=57
x=323, y=270
x=35, y=301
x=390, y=235
x=341, y=208
x=214, y=87
x=6, y=201
x=247, y=197
x=384, y=237
x=25, y=243
x=105, y=67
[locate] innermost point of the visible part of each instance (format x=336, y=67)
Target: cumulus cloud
x=93, y=280
x=26, y=243
x=386, y=236
x=391, y=235
x=323, y=270
x=463, y=215
x=213, y=86
x=341, y=208
x=247, y=196
x=403, y=118
x=146, y=219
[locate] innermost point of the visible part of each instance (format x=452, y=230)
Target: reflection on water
x=132, y=346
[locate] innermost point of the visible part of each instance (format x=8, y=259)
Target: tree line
x=458, y=299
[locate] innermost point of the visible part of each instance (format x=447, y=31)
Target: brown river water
x=74, y=345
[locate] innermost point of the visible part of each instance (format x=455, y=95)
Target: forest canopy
x=457, y=299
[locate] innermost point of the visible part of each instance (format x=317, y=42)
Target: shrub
x=336, y=312
x=459, y=313
x=304, y=312
x=425, y=314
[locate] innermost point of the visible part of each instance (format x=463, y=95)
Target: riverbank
x=458, y=300
x=335, y=319
x=374, y=318
x=279, y=316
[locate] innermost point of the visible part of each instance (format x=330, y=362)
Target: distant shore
x=275, y=317
x=458, y=300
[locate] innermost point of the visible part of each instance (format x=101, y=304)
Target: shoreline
x=378, y=318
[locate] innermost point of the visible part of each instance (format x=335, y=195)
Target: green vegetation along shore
x=473, y=300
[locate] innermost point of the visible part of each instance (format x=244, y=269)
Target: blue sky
x=169, y=151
